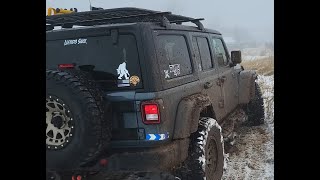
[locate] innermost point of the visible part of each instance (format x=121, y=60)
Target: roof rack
x=117, y=15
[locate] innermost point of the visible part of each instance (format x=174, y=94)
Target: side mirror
x=236, y=57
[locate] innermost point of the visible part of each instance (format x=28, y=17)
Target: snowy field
x=252, y=54
x=254, y=155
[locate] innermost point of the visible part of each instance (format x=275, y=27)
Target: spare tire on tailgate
x=78, y=129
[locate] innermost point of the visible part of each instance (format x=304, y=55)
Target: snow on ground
x=254, y=158
x=252, y=58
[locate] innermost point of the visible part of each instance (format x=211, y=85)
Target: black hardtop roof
x=151, y=25
x=124, y=16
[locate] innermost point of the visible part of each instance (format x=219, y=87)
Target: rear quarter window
x=174, y=56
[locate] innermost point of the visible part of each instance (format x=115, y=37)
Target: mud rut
x=253, y=152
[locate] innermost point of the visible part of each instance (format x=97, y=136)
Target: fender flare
x=188, y=114
x=247, y=86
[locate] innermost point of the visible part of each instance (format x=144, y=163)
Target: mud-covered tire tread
x=192, y=168
x=95, y=108
x=255, y=108
x=88, y=81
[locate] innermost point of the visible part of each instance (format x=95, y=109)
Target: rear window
x=111, y=65
x=174, y=56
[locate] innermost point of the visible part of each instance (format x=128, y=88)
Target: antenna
x=90, y=5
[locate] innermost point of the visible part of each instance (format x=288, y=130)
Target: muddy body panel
x=163, y=157
x=246, y=86
x=185, y=71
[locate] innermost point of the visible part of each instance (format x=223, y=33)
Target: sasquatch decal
x=122, y=71
x=122, y=68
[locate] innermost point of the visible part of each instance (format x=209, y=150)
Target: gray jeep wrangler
x=135, y=90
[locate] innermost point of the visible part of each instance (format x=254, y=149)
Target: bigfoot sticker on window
x=123, y=72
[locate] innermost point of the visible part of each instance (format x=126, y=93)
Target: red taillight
x=150, y=113
x=65, y=66
x=103, y=162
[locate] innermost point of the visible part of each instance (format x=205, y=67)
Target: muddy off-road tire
x=206, y=153
x=95, y=90
x=255, y=108
x=87, y=80
x=77, y=130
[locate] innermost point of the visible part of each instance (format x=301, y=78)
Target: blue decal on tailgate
x=157, y=137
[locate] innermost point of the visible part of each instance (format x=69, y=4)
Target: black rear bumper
x=150, y=159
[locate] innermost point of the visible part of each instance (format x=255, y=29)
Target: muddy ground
x=253, y=152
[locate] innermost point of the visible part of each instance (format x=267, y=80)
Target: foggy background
x=243, y=23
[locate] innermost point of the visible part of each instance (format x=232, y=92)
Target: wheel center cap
x=58, y=121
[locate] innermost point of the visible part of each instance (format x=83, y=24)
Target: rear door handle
x=208, y=85
x=223, y=79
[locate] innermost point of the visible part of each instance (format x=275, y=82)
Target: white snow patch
x=225, y=162
x=200, y=138
x=255, y=156
x=238, y=66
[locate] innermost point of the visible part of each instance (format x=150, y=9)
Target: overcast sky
x=255, y=17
